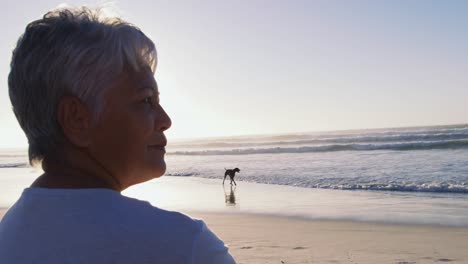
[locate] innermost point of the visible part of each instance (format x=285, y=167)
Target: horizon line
x=316, y=131
x=286, y=133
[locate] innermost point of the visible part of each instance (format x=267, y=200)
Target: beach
x=373, y=196
x=280, y=236
x=298, y=131
x=268, y=239
x=264, y=223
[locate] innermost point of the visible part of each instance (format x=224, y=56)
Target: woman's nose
x=163, y=120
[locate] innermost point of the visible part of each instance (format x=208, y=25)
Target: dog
x=232, y=174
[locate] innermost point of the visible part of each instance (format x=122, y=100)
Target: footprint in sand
x=246, y=247
x=296, y=248
x=444, y=260
x=436, y=252
x=350, y=257
x=438, y=260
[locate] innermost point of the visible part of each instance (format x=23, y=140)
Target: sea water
x=403, y=175
x=423, y=159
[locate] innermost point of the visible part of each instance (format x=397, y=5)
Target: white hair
x=70, y=51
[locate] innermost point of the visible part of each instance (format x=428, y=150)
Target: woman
x=83, y=91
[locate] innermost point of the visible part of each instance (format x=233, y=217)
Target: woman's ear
x=75, y=119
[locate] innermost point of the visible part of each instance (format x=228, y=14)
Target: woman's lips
x=157, y=148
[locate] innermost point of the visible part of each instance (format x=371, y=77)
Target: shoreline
x=196, y=194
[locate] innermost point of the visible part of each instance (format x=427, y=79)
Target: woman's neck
x=75, y=171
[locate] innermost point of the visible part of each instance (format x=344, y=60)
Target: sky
x=269, y=67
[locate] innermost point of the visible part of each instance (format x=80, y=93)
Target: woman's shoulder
x=105, y=208
x=151, y=214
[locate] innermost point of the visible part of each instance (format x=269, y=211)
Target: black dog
x=232, y=174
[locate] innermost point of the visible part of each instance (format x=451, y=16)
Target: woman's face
x=128, y=138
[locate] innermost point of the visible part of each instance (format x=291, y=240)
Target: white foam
x=400, y=146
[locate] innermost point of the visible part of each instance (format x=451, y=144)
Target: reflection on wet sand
x=230, y=198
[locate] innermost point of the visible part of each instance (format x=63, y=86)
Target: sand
x=269, y=239
x=272, y=239
x=2, y=212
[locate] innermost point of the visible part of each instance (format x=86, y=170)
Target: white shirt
x=102, y=226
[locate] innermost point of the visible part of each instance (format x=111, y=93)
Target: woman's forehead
x=133, y=81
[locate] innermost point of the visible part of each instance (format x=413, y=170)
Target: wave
x=182, y=174
x=405, y=146
x=426, y=187
x=432, y=187
x=421, y=187
x=337, y=140
x=440, y=133
x=14, y=165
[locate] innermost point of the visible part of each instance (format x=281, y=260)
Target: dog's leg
x=225, y=174
x=232, y=179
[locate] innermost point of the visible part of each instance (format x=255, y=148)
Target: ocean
x=423, y=168
x=422, y=159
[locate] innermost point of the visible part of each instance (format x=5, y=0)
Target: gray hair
x=70, y=51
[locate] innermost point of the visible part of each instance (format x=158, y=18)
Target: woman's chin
x=155, y=172
x=147, y=175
